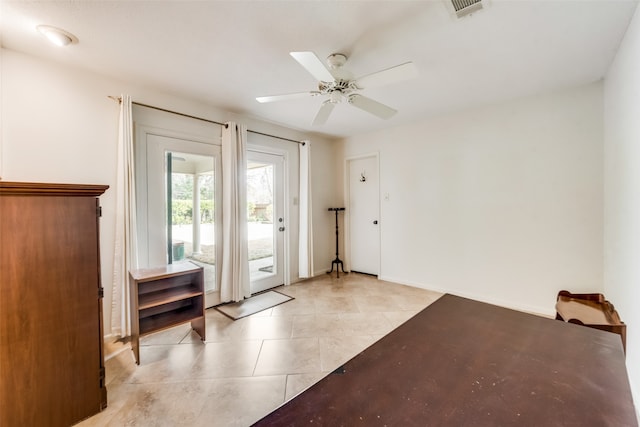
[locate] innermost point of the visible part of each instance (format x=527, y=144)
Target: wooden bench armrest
x=591, y=310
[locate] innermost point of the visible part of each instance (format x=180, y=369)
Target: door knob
x=281, y=229
x=375, y=222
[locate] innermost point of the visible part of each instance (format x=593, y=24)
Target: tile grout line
x=255, y=365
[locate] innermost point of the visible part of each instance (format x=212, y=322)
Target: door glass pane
x=260, y=219
x=191, y=208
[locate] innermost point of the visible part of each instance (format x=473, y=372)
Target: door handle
x=281, y=229
x=375, y=222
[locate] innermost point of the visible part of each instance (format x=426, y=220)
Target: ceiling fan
x=338, y=84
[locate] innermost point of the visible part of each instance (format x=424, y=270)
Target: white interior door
x=363, y=212
x=266, y=221
x=183, y=206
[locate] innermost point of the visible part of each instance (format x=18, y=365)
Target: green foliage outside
x=259, y=191
x=251, y=208
x=259, y=212
x=182, y=212
x=182, y=203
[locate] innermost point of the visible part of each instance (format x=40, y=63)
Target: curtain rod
x=117, y=98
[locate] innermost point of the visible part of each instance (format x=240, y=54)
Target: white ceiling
x=226, y=53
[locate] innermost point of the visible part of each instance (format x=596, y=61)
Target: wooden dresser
x=51, y=337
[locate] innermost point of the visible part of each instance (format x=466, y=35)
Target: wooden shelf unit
x=163, y=297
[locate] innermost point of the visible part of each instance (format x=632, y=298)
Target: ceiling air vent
x=466, y=7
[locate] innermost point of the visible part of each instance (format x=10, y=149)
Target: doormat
x=253, y=305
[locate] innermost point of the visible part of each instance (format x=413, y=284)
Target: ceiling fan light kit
x=336, y=83
x=335, y=97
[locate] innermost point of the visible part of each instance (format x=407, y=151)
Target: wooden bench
x=591, y=310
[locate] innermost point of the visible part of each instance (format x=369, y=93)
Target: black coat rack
x=337, y=261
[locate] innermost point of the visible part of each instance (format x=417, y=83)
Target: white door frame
x=282, y=198
x=156, y=169
x=142, y=132
x=140, y=146
x=347, y=218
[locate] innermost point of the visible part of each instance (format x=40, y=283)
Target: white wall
x=502, y=204
x=59, y=126
x=622, y=193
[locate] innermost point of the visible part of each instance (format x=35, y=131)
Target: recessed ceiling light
x=56, y=35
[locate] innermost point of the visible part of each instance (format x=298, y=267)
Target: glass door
x=266, y=222
x=190, y=210
x=183, y=208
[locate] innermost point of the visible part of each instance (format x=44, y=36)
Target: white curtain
x=235, y=284
x=305, y=256
x=125, y=255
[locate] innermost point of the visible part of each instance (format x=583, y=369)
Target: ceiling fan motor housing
x=338, y=87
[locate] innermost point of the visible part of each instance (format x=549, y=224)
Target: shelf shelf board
x=166, y=320
x=161, y=298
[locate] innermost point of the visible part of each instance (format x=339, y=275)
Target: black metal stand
x=337, y=261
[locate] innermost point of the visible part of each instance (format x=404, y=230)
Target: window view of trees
x=260, y=194
x=182, y=195
x=259, y=213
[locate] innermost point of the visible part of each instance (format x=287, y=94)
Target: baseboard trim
x=538, y=311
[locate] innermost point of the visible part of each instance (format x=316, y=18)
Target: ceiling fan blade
x=401, y=72
x=371, y=106
x=287, y=97
x=313, y=65
x=323, y=113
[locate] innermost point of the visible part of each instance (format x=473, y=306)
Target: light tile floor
x=249, y=367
